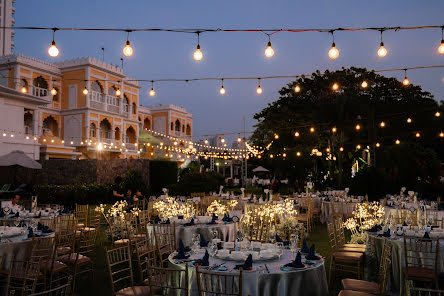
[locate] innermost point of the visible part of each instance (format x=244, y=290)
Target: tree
x=317, y=105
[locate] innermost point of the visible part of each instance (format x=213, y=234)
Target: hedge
x=162, y=174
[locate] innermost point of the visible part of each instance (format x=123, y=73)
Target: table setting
x=268, y=268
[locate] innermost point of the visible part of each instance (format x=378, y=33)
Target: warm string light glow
x=259, y=88
x=127, y=49
x=364, y=84
x=406, y=81
x=333, y=53
x=382, y=52
x=382, y=124
x=53, y=91
x=222, y=89
x=296, y=134
x=118, y=92
x=53, y=51
x=297, y=89
x=335, y=86
x=198, y=55
x=152, y=92
x=269, y=51
x=441, y=46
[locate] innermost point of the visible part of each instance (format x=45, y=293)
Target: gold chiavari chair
x=62, y=288
x=421, y=260
x=307, y=218
x=82, y=261
x=121, y=273
x=117, y=229
x=165, y=281
x=43, y=252
x=340, y=239
x=337, y=209
x=51, y=223
x=217, y=283
x=66, y=224
x=81, y=215
x=342, y=261
x=165, y=237
x=425, y=292
x=145, y=251
x=258, y=230
x=21, y=277
x=93, y=221
x=353, y=287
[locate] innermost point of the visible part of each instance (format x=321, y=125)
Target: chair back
x=258, y=230
x=66, y=224
x=63, y=288
x=43, y=249
x=87, y=243
x=22, y=277
x=216, y=283
x=93, y=218
x=339, y=232
x=165, y=236
x=146, y=255
x=420, y=252
x=119, y=268
x=168, y=280
x=49, y=222
x=384, y=267
x=65, y=243
x=331, y=236
x=425, y=292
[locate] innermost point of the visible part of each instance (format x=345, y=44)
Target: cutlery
x=266, y=267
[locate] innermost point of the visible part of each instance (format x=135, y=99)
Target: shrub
x=133, y=180
x=162, y=174
x=197, y=182
x=372, y=181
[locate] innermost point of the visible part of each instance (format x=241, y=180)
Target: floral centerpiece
x=217, y=208
x=364, y=218
x=171, y=208
x=269, y=212
x=287, y=226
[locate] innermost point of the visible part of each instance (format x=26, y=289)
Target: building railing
x=38, y=91
x=108, y=103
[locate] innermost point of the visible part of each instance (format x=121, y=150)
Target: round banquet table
x=374, y=252
x=310, y=281
x=226, y=232
x=326, y=214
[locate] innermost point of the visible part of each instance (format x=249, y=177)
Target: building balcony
x=108, y=103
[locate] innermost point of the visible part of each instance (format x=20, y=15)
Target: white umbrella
x=19, y=158
x=260, y=169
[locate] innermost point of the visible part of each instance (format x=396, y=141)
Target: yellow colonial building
x=87, y=109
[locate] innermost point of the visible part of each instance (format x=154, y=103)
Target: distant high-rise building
x=7, y=11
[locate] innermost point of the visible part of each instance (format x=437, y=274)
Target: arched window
x=41, y=82
x=105, y=129
x=23, y=83
x=112, y=91
x=117, y=134
x=147, y=124
x=92, y=130
x=125, y=103
x=134, y=108
x=96, y=86
x=188, y=130
x=28, y=123
x=51, y=125
x=172, y=126
x=130, y=135
x=177, y=125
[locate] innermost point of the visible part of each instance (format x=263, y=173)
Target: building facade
x=7, y=12
x=84, y=108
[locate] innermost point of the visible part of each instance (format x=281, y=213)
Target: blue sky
x=169, y=55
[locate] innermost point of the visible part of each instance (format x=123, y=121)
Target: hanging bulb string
x=53, y=33
x=332, y=32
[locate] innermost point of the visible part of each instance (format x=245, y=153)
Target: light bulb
x=358, y=147
x=417, y=135
x=85, y=91
x=128, y=50
x=259, y=89
x=341, y=149
x=312, y=129
x=269, y=51
x=296, y=134
x=382, y=124
x=441, y=47
x=276, y=136
x=335, y=86
x=364, y=84
x=382, y=51
x=409, y=120
x=378, y=145
x=298, y=153
x=198, y=55
x=53, y=51
x=334, y=130
x=357, y=127
x=239, y=139
x=152, y=92
x=53, y=91
x=441, y=135
x=118, y=92
x=437, y=114
x=397, y=142
x=333, y=53
x=297, y=89
x=24, y=90
x=405, y=81
x=222, y=90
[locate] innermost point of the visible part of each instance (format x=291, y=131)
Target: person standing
x=117, y=191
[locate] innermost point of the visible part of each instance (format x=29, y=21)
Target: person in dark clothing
x=117, y=191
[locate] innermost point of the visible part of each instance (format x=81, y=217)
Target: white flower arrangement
x=364, y=218
x=171, y=208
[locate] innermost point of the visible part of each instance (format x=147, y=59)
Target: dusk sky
x=169, y=55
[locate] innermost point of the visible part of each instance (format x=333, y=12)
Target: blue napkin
x=182, y=247
x=297, y=262
x=191, y=223
x=166, y=222
x=248, y=264
x=426, y=236
x=157, y=220
x=17, y=215
x=39, y=215
x=43, y=228
x=312, y=254
x=30, y=232
x=386, y=233
x=204, y=261
x=279, y=240
x=226, y=218
x=404, y=224
x=213, y=220
x=203, y=242
x=305, y=248
x=181, y=255
x=374, y=229
x=2, y=214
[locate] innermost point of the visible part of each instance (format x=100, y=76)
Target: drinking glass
x=280, y=249
x=6, y=210
x=272, y=237
x=196, y=241
x=215, y=233
x=212, y=249
x=17, y=221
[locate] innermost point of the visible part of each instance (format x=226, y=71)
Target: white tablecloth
x=310, y=281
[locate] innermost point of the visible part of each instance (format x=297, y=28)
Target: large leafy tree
x=318, y=106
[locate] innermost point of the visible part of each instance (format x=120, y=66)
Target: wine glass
x=280, y=249
x=272, y=237
x=196, y=241
x=17, y=221
x=6, y=210
x=215, y=233
x=212, y=249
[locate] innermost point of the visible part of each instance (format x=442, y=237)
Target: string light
x=118, y=92
x=405, y=81
x=284, y=155
x=222, y=140
x=312, y=129
x=397, y=142
x=358, y=147
x=85, y=90
x=341, y=149
x=53, y=91
x=271, y=156
x=357, y=127
x=378, y=145
x=152, y=92
x=335, y=86
x=382, y=124
x=333, y=53
x=382, y=52
x=239, y=139
x=222, y=89
x=437, y=114
x=296, y=134
x=24, y=90
x=259, y=89
x=127, y=49
x=364, y=84
x=409, y=120
x=417, y=135
x=334, y=130
x=297, y=89
x=53, y=51
x=441, y=135
x=298, y=153
x=269, y=51
x=198, y=55
x=441, y=46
